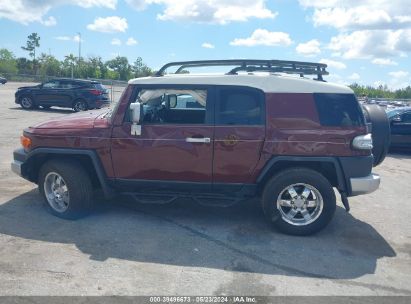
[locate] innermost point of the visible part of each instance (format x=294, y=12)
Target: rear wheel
x=26, y=102
x=299, y=201
x=66, y=188
x=80, y=105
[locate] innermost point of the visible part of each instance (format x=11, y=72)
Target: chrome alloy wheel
x=56, y=191
x=26, y=102
x=300, y=204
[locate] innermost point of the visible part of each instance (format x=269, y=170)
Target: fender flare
x=95, y=160
x=342, y=184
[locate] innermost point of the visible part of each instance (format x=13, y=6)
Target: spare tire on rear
x=380, y=130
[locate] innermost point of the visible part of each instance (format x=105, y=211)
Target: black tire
x=277, y=184
x=380, y=130
x=80, y=105
x=27, y=102
x=79, y=188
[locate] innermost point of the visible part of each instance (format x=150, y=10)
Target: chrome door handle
x=198, y=140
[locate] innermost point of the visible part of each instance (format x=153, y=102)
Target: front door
x=175, y=147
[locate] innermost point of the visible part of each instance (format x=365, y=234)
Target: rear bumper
x=364, y=185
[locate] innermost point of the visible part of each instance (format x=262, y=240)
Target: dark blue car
x=80, y=95
x=400, y=120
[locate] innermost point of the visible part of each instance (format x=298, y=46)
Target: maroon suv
x=215, y=138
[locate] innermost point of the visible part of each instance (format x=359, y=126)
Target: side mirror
x=172, y=101
x=135, y=113
x=135, y=110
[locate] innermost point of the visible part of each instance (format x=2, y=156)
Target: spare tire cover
x=380, y=130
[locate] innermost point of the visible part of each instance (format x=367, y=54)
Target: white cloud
x=50, y=21
x=334, y=64
x=109, y=25
x=354, y=76
x=75, y=38
x=63, y=38
x=131, y=41
x=208, y=11
x=364, y=14
x=265, y=38
x=372, y=44
x=310, y=48
x=26, y=12
x=383, y=61
x=399, y=74
x=115, y=41
x=207, y=45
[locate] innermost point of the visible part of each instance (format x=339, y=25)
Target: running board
x=167, y=198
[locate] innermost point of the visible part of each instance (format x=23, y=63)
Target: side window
x=65, y=85
x=338, y=110
x=51, y=84
x=406, y=117
x=239, y=106
x=172, y=106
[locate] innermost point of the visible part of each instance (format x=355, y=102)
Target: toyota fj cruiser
x=252, y=132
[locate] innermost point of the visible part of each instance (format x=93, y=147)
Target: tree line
x=44, y=65
x=119, y=68
x=381, y=91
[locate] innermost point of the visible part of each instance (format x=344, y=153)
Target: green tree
x=33, y=42
x=68, y=64
x=8, y=62
x=121, y=66
x=49, y=65
x=140, y=69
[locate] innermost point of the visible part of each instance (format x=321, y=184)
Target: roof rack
x=252, y=65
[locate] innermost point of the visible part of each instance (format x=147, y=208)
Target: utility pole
x=79, y=53
x=79, y=46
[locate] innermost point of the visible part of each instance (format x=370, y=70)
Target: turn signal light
x=25, y=142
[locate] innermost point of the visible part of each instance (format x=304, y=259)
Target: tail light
x=363, y=142
x=96, y=92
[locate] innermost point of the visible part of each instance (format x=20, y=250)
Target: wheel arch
x=329, y=167
x=87, y=158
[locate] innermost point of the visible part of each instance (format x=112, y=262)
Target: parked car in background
x=3, y=80
x=400, y=120
x=80, y=95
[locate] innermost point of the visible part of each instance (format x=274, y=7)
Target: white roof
x=269, y=83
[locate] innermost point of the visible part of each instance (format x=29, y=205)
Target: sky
x=363, y=41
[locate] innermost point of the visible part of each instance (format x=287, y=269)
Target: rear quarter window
x=338, y=110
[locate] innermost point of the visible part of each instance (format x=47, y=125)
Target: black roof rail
x=253, y=65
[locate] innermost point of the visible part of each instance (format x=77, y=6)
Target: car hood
x=81, y=120
x=28, y=87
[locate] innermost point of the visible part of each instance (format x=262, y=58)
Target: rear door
x=239, y=134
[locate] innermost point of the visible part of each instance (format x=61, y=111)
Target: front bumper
x=18, y=165
x=364, y=185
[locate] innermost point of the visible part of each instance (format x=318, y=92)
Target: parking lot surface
x=125, y=248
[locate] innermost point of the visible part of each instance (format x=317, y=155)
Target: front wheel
x=299, y=201
x=66, y=188
x=26, y=102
